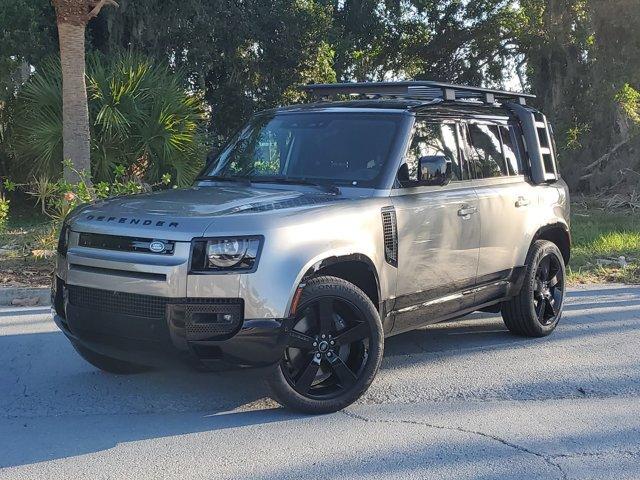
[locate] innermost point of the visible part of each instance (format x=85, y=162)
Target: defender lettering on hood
x=132, y=221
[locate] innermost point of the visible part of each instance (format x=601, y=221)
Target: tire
x=319, y=374
x=109, y=364
x=537, y=309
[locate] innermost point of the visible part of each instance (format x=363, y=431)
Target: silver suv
x=321, y=229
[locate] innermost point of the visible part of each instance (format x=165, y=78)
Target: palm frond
x=138, y=110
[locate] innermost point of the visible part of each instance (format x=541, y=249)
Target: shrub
x=141, y=118
x=58, y=198
x=4, y=211
x=6, y=186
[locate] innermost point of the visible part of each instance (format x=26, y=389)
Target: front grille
x=134, y=304
x=390, y=231
x=126, y=244
x=122, y=303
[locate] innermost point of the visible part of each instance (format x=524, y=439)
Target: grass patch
x=600, y=238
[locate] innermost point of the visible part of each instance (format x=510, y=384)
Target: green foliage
x=575, y=135
x=27, y=34
x=58, y=198
x=4, y=212
x=142, y=119
x=8, y=185
x=629, y=100
x=35, y=134
x=246, y=56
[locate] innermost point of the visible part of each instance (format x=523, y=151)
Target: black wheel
x=536, y=310
x=334, y=349
x=108, y=364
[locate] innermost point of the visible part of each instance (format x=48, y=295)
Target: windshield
x=321, y=148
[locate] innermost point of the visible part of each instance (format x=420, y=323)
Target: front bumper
x=162, y=331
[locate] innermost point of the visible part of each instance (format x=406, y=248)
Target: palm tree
x=72, y=18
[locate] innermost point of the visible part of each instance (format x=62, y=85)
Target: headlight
x=225, y=254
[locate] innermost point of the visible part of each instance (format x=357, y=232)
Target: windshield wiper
x=220, y=178
x=298, y=181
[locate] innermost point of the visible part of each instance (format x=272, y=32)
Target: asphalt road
x=457, y=400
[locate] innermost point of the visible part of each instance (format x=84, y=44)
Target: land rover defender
x=320, y=230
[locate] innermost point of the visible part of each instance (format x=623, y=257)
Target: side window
x=511, y=152
x=485, y=151
x=431, y=139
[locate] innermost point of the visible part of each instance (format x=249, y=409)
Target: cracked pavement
x=461, y=399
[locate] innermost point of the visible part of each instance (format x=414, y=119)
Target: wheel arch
x=355, y=268
x=560, y=235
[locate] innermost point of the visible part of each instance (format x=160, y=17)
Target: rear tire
x=537, y=309
x=109, y=364
x=335, y=347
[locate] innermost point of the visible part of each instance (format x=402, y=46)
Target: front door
x=438, y=232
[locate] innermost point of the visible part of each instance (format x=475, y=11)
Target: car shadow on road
x=488, y=332
x=54, y=405
x=33, y=440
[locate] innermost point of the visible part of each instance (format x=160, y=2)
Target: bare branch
x=603, y=158
x=98, y=6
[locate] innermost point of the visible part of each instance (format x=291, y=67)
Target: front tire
x=109, y=364
x=334, y=349
x=536, y=310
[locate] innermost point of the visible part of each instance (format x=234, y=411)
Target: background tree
x=27, y=35
x=583, y=63
x=579, y=56
x=72, y=17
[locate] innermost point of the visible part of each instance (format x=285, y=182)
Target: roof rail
x=419, y=90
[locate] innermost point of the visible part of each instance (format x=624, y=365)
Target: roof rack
x=419, y=90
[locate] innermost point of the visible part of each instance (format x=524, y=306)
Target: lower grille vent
x=148, y=306
x=122, y=303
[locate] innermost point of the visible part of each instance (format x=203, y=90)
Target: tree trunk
x=75, y=110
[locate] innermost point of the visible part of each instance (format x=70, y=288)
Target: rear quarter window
x=485, y=151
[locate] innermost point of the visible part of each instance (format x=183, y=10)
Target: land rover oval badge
x=157, y=246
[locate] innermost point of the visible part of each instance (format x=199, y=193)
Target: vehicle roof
x=412, y=106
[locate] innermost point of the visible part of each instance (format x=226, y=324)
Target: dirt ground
x=25, y=272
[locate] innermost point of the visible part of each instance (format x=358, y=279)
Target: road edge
x=40, y=294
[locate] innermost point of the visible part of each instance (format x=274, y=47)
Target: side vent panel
x=390, y=230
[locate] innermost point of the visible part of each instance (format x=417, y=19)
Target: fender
x=562, y=240
x=327, y=260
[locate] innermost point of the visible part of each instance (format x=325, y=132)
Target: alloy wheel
x=327, y=348
x=548, y=293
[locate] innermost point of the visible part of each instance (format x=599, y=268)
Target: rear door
x=505, y=200
x=438, y=232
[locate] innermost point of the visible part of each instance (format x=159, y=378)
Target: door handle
x=522, y=202
x=466, y=211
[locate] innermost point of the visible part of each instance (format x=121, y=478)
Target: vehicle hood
x=186, y=213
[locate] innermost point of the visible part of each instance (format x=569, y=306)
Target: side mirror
x=434, y=170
